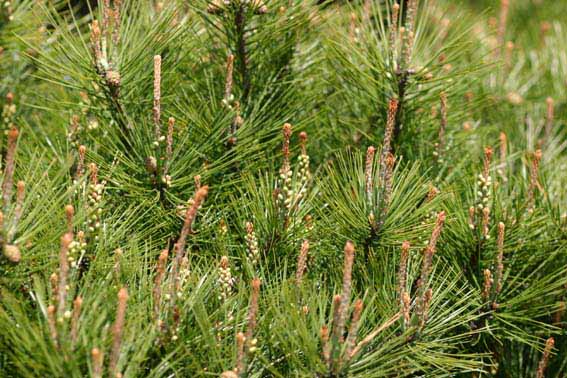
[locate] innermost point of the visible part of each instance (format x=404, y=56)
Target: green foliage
x=280, y=188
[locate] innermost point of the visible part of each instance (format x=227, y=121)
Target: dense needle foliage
x=283, y=188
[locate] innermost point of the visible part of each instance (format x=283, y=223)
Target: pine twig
x=66, y=240
x=97, y=357
x=549, y=118
x=157, y=98
x=302, y=261
x=500, y=258
x=117, y=331
x=338, y=328
x=160, y=273
x=534, y=180
x=353, y=330
x=549, y=344
x=77, y=303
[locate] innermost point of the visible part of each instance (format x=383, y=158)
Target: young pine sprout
x=409, y=36
x=117, y=332
x=389, y=131
x=424, y=299
x=369, y=184
x=394, y=21
x=246, y=343
x=488, y=282
x=500, y=258
x=440, y=145
x=180, y=262
x=338, y=327
x=504, y=10
x=534, y=184
x=166, y=178
x=158, y=166
x=66, y=240
x=353, y=329
x=252, y=315
x=77, y=303
x=388, y=184
x=158, y=281
x=157, y=100
x=228, y=97
x=549, y=344
x=549, y=117
x=402, y=276
x=97, y=358
x=337, y=349
x=503, y=156
x=302, y=261
x=52, y=324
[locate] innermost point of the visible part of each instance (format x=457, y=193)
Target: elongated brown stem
x=77, y=303
x=253, y=311
x=389, y=131
x=549, y=117
x=353, y=330
x=302, y=261
x=369, y=174
x=52, y=323
x=504, y=8
x=500, y=258
x=229, y=79
x=402, y=273
x=426, y=266
x=549, y=344
x=388, y=186
x=325, y=346
x=169, y=145
x=97, y=357
x=63, y=272
x=241, y=354
x=347, y=287
x=161, y=266
x=190, y=216
x=157, y=98
x=534, y=180
x=488, y=281
x=394, y=25
x=117, y=331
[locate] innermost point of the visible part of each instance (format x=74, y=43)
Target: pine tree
x=283, y=188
